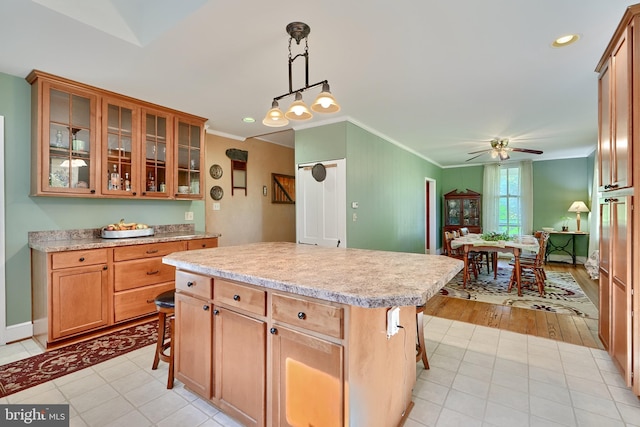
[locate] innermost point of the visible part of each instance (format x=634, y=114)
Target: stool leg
x=161, y=330
x=171, y=355
x=421, y=348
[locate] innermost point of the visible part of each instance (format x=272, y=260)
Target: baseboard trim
x=18, y=332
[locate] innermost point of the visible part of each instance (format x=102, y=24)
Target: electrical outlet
x=188, y=216
x=216, y=206
x=393, y=320
x=354, y=217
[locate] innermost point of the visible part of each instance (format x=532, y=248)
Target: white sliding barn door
x=3, y=297
x=321, y=206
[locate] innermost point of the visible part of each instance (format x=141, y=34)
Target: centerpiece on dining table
x=495, y=237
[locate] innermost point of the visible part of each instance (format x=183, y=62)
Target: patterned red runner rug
x=25, y=373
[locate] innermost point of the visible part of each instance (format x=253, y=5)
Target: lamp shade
x=325, y=102
x=275, y=117
x=578, y=206
x=298, y=110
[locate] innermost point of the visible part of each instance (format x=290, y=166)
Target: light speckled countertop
x=357, y=277
x=89, y=238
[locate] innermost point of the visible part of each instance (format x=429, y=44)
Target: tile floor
x=479, y=376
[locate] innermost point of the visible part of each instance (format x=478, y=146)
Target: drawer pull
x=205, y=307
x=236, y=297
x=273, y=331
x=151, y=273
x=216, y=312
x=302, y=316
x=149, y=301
x=81, y=259
x=152, y=251
x=190, y=284
x=105, y=267
x=204, y=245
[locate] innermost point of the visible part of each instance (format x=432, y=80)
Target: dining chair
x=459, y=254
x=532, y=266
x=488, y=256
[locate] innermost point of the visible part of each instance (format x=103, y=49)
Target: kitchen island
x=281, y=334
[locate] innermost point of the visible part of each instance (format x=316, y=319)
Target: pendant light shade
x=298, y=110
x=325, y=102
x=275, y=117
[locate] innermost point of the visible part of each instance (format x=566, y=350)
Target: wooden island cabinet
x=280, y=334
x=83, y=285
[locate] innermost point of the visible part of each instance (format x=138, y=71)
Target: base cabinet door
x=307, y=380
x=240, y=366
x=194, y=335
x=80, y=300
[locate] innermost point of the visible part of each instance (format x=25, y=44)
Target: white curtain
x=490, y=193
x=526, y=197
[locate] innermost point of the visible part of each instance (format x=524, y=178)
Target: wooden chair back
x=464, y=231
x=544, y=237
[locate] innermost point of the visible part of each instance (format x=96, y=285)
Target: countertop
x=358, y=277
x=71, y=240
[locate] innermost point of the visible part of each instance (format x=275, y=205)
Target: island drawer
x=211, y=242
x=134, y=274
x=137, y=302
x=243, y=297
x=125, y=253
x=78, y=258
x=194, y=284
x=323, y=318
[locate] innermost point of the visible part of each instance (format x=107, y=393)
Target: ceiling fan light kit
x=324, y=103
x=500, y=150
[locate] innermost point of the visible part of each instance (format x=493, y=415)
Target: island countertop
x=359, y=277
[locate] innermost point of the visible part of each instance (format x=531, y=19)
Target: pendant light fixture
x=324, y=103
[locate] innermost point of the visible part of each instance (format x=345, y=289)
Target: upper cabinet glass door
x=157, y=154
x=189, y=148
x=120, y=142
x=68, y=126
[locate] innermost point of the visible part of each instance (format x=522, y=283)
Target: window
x=509, y=201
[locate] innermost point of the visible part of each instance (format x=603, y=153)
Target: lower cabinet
x=240, y=366
x=307, y=380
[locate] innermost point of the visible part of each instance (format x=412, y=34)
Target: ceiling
x=439, y=78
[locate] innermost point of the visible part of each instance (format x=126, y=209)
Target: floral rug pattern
x=563, y=295
x=25, y=373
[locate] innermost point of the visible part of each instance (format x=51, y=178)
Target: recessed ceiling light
x=565, y=40
x=248, y=120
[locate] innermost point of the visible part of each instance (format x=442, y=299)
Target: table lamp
x=578, y=207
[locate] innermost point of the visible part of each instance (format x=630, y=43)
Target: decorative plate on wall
x=216, y=192
x=215, y=171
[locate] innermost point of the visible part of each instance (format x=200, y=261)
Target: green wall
x=461, y=179
x=24, y=213
x=388, y=183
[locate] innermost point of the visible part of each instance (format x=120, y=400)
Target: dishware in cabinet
x=189, y=138
x=120, y=146
x=156, y=162
x=64, y=123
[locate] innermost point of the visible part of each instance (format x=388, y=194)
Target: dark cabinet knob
x=189, y=284
x=134, y=193
x=93, y=191
x=302, y=316
x=236, y=297
x=273, y=331
x=104, y=267
x=81, y=259
x=205, y=307
x=216, y=312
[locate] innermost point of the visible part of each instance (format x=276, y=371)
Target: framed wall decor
x=283, y=188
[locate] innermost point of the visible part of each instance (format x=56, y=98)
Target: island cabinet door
x=307, y=380
x=240, y=366
x=193, y=343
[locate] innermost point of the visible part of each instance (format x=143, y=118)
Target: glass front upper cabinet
x=68, y=125
x=156, y=167
x=189, y=155
x=120, y=142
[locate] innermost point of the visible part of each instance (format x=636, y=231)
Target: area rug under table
x=563, y=295
x=25, y=373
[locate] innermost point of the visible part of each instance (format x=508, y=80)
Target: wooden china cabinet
x=89, y=142
x=463, y=210
x=619, y=128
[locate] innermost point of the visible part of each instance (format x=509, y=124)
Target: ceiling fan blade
x=484, y=152
x=480, y=151
x=526, y=150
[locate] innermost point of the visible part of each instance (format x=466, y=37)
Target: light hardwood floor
x=561, y=327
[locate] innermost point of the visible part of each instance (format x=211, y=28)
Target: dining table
x=515, y=246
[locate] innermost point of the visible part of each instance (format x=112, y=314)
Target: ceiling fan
x=500, y=149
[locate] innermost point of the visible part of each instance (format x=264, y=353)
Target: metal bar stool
x=421, y=349
x=165, y=304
